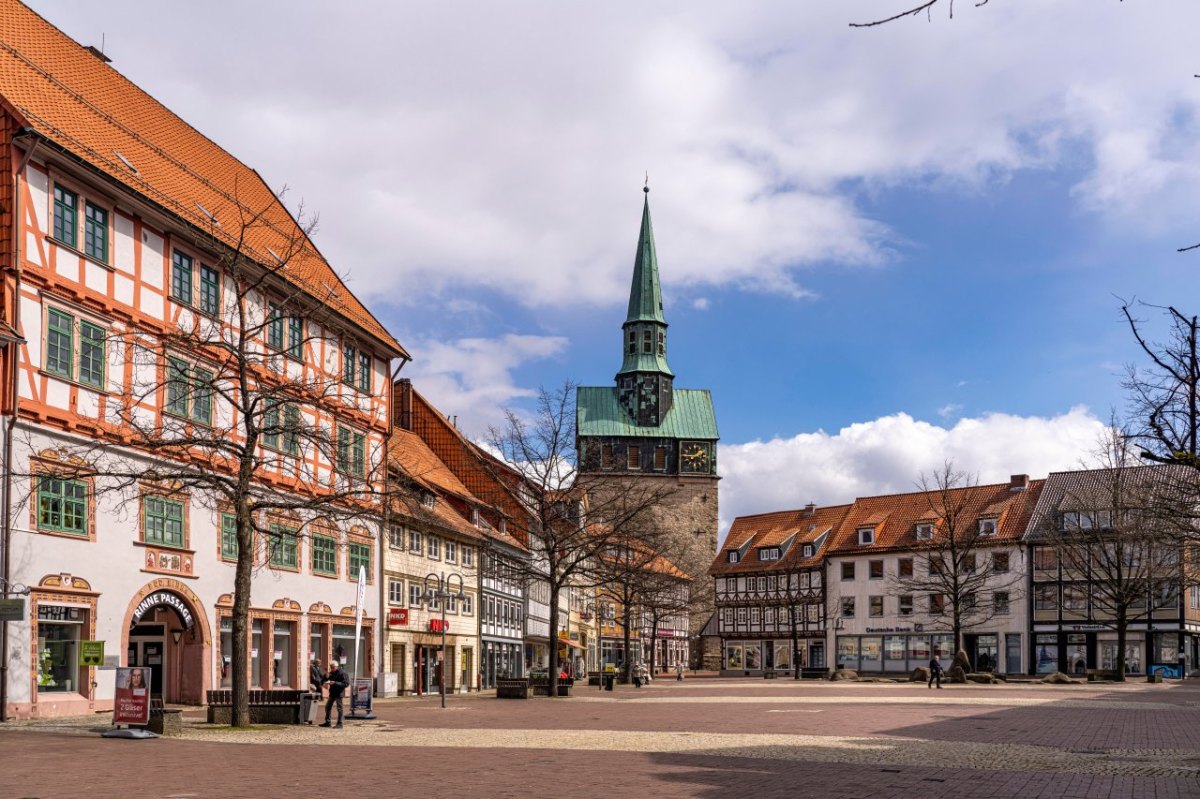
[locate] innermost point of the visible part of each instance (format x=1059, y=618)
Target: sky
x=880, y=248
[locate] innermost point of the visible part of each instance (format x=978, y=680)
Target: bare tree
x=926, y=7
x=231, y=407
x=664, y=599
x=571, y=520
x=1115, y=554
x=952, y=565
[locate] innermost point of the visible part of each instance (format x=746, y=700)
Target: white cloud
x=502, y=144
x=472, y=378
x=700, y=303
x=946, y=411
x=889, y=455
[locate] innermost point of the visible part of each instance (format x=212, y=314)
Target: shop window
x=281, y=653
x=360, y=558
x=318, y=635
x=226, y=654
x=162, y=522
x=324, y=555
x=59, y=630
x=229, y=541
x=283, y=547
x=62, y=506
x=256, y=654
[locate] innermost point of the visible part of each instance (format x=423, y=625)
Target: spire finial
x=646, y=188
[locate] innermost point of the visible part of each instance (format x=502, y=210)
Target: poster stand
x=361, y=699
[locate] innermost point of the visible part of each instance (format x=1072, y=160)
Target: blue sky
x=880, y=248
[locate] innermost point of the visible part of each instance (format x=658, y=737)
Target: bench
x=266, y=707
x=813, y=674
x=769, y=674
x=165, y=721
x=512, y=688
x=1095, y=675
x=542, y=687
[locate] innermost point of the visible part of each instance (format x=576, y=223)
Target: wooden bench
x=516, y=688
x=166, y=721
x=542, y=687
x=813, y=674
x=769, y=674
x=266, y=707
x=1095, y=675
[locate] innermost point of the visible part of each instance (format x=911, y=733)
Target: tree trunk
x=1122, y=625
x=653, y=642
x=554, y=588
x=238, y=659
x=625, y=614
x=795, y=639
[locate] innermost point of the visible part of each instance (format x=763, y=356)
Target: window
x=876, y=606
x=433, y=547
x=1000, y=562
x=647, y=342
x=229, y=541
x=414, y=595
x=967, y=564
x=808, y=550
x=395, y=537
x=936, y=565
x=352, y=452
x=735, y=556
x=904, y=567
x=364, y=372
x=163, y=521
x=847, y=607
x=633, y=457
x=924, y=532
x=848, y=571
x=360, y=557
x=281, y=435
x=324, y=555
x=1045, y=597
x=866, y=536
x=95, y=232
x=768, y=553
x=468, y=605
x=606, y=456
x=395, y=592
x=1000, y=603
x=189, y=391
x=468, y=556
x=282, y=547
x=937, y=604
x=181, y=277
x=295, y=347
x=66, y=205
x=906, y=604
x=660, y=459
x=79, y=358
x=1045, y=559
x=210, y=290
x=451, y=552
x=414, y=542
x=987, y=527
x=348, y=364
x=968, y=601
x=452, y=604
x=875, y=569
x=1074, y=598
x=62, y=506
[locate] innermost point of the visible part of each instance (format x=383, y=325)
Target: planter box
x=512, y=689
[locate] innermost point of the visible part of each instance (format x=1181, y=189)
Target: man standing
x=315, y=678
x=935, y=671
x=338, y=681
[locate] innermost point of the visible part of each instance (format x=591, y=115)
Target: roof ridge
x=796, y=510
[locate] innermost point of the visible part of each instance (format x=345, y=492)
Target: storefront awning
x=572, y=644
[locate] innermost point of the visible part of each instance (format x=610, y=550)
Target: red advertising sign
x=131, y=702
x=437, y=625
x=398, y=617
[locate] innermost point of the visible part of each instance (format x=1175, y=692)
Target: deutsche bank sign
x=163, y=598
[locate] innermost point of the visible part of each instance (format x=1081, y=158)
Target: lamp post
x=438, y=586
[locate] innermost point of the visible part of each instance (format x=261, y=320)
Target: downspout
x=387, y=519
x=14, y=398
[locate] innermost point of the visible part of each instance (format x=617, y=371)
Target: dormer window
x=808, y=550
x=735, y=556
x=768, y=553
x=866, y=536
x=429, y=499
x=924, y=532
x=987, y=527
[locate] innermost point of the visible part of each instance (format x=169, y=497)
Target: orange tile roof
x=77, y=102
x=895, y=516
x=408, y=452
x=749, y=533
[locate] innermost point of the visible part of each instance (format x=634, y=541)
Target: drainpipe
x=386, y=523
x=14, y=389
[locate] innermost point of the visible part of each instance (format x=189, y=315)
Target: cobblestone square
x=699, y=738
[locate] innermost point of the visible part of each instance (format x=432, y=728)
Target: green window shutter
x=59, y=344
x=177, y=387
x=274, y=328
x=95, y=232
x=296, y=337
x=324, y=555
x=66, y=206
x=210, y=290
x=229, y=542
x=91, y=354
x=181, y=277
x=202, y=396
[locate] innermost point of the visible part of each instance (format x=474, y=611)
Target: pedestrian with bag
x=935, y=671
x=338, y=682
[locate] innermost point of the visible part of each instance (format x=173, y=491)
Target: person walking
x=338, y=682
x=935, y=671
x=679, y=671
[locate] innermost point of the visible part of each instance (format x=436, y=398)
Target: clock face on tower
x=694, y=457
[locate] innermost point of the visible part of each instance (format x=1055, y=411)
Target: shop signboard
x=12, y=609
x=360, y=696
x=398, y=617
x=438, y=625
x=91, y=653
x=131, y=701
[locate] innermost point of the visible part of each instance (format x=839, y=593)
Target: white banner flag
x=358, y=615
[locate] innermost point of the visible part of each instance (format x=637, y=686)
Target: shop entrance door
x=147, y=644
x=984, y=651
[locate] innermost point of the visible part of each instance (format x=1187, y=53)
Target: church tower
x=643, y=428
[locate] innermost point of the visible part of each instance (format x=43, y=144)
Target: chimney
x=1018, y=482
x=810, y=509
x=403, y=398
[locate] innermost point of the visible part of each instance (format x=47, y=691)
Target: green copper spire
x=645, y=329
x=645, y=295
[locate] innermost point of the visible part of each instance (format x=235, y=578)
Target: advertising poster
x=131, y=702
x=360, y=695
x=91, y=653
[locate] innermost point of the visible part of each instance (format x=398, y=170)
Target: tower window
x=634, y=458
x=632, y=341
x=647, y=342
x=662, y=343
x=660, y=458
x=606, y=456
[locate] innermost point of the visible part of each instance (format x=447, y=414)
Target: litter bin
x=609, y=679
x=310, y=704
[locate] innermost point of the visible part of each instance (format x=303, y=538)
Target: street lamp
x=438, y=586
